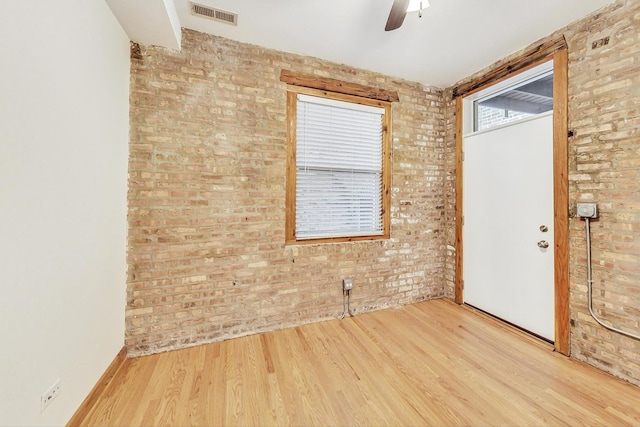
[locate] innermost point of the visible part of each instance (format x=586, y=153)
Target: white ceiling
x=453, y=39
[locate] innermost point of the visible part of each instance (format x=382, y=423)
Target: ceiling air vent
x=215, y=14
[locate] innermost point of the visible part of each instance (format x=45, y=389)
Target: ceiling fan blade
x=397, y=14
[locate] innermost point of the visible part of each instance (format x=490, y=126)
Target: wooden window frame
x=344, y=91
x=290, y=219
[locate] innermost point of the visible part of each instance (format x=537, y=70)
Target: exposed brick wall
x=207, y=259
x=604, y=160
x=450, y=194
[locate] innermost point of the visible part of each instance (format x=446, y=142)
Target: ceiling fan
x=399, y=10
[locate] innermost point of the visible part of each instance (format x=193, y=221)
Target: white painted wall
x=149, y=22
x=64, y=86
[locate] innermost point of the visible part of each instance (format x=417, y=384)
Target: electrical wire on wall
x=587, y=220
x=346, y=304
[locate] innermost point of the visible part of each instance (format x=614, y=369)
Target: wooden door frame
x=558, y=52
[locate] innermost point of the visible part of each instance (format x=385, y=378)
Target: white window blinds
x=338, y=169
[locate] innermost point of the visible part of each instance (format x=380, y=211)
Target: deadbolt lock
x=544, y=228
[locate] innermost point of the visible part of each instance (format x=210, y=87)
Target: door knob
x=544, y=228
x=543, y=244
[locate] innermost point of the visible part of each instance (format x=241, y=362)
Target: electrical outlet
x=51, y=393
x=347, y=284
x=587, y=210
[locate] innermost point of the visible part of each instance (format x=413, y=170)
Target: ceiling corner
x=150, y=22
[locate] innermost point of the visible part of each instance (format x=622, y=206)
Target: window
x=338, y=173
x=526, y=99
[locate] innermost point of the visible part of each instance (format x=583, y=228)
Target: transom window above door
x=526, y=99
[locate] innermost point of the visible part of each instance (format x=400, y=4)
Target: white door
x=508, y=203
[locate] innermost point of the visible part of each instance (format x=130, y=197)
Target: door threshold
x=513, y=325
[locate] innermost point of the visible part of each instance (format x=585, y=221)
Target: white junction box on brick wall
x=587, y=210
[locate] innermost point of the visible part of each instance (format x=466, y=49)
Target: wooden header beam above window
x=337, y=86
x=526, y=60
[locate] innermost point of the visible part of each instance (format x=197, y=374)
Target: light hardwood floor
x=432, y=363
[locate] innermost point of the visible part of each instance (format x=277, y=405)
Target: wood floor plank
x=328, y=359
x=378, y=392
x=215, y=399
x=427, y=367
x=123, y=390
x=432, y=363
